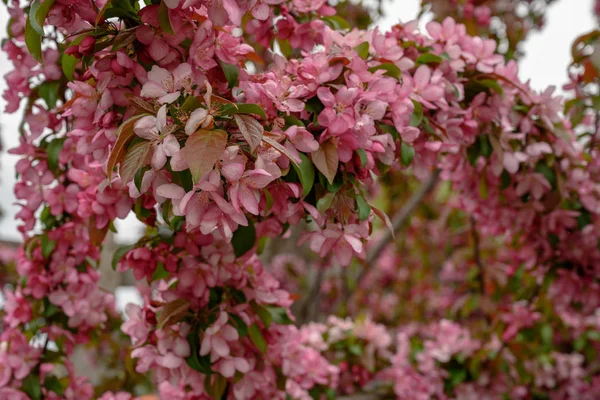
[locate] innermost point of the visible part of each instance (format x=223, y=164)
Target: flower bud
x=86, y=47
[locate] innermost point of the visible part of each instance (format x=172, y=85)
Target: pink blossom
x=338, y=115
x=157, y=131
x=166, y=87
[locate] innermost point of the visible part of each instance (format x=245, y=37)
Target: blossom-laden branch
x=153, y=110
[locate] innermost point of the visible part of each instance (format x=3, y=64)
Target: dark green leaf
x=31, y=386
x=239, y=325
x=47, y=246
x=407, y=153
x=53, y=151
x=244, y=239
x=264, y=314
x=257, y=338
x=33, y=40
x=505, y=179
x=306, y=173
x=429, y=58
x=231, y=74
x=53, y=383
x=200, y=364
x=542, y=168
x=38, y=13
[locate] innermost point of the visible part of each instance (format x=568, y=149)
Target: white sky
x=547, y=57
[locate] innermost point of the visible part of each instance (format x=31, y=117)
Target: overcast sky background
x=547, y=57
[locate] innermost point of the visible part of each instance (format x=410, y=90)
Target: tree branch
x=402, y=216
x=397, y=222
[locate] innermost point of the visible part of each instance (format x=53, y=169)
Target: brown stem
x=402, y=216
x=397, y=222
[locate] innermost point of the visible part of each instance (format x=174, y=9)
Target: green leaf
x=505, y=179
x=215, y=387
x=546, y=334
x=492, y=84
x=485, y=146
x=49, y=92
x=363, y=157
x=257, y=338
x=53, y=151
x=290, y=120
x=542, y=168
x=355, y=349
x=119, y=253
x=38, y=13
x=417, y=115
x=324, y=203
x=483, y=187
x=362, y=50
x=50, y=310
x=31, y=386
x=262, y=312
x=159, y=273
x=244, y=239
x=68, y=65
x=390, y=69
x=407, y=153
x=47, y=246
x=243, y=108
x=391, y=130
x=364, y=209
x=164, y=20
x=239, y=325
x=231, y=74
x=200, y=364
x=53, y=383
x=428, y=58
x=33, y=40
x=306, y=173
x=280, y=315
x=336, y=22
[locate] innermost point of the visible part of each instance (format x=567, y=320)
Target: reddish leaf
x=136, y=157
x=384, y=217
x=172, y=312
x=203, y=149
x=326, y=160
x=251, y=130
x=124, y=135
x=96, y=235
x=279, y=147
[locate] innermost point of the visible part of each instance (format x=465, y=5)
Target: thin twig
x=310, y=306
x=397, y=222
x=402, y=216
